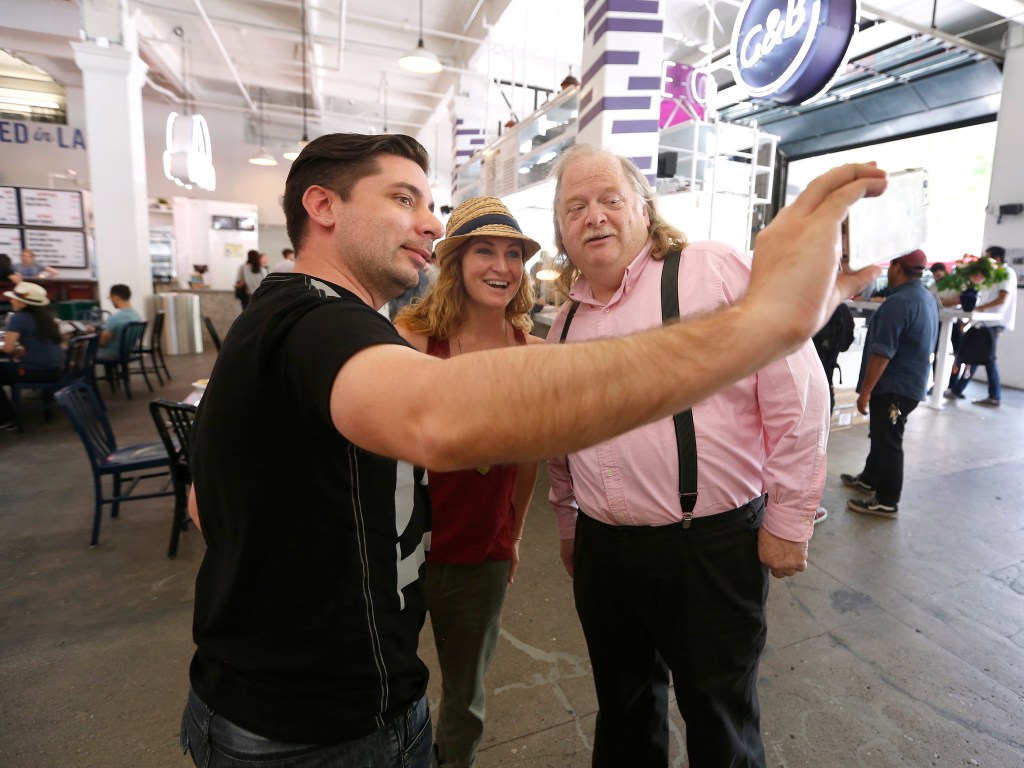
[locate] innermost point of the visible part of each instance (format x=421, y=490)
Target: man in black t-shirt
x=308, y=603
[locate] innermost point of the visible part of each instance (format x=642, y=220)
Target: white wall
x=1007, y=172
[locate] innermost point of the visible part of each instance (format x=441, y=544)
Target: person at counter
x=110, y=337
x=32, y=344
x=481, y=301
x=287, y=262
x=7, y=272
x=1002, y=299
x=29, y=267
x=250, y=275
x=893, y=380
x=309, y=600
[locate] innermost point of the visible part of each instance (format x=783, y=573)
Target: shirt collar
x=583, y=293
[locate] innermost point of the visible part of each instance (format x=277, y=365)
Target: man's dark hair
x=122, y=292
x=997, y=252
x=338, y=161
x=286, y=252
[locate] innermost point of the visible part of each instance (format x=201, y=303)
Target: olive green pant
x=465, y=604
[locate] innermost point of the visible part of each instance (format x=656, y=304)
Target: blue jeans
x=216, y=742
x=995, y=390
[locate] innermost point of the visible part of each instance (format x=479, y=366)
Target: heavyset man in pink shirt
x=660, y=587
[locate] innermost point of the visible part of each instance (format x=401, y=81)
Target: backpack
x=837, y=334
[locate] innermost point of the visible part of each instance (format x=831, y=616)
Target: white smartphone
x=882, y=228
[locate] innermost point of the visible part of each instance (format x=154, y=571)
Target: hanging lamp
x=291, y=154
x=419, y=59
x=262, y=157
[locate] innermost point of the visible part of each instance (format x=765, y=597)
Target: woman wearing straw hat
x=33, y=341
x=480, y=301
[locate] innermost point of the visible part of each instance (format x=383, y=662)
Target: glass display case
x=524, y=155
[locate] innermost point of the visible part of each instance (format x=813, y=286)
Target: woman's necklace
x=504, y=331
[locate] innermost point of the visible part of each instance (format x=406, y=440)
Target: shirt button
x=609, y=473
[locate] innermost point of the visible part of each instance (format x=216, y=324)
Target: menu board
x=57, y=248
x=9, y=206
x=51, y=208
x=10, y=242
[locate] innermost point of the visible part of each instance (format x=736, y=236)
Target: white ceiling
x=239, y=51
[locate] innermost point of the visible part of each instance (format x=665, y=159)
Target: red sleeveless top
x=471, y=509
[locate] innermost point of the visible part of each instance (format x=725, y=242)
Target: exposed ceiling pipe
x=324, y=115
x=936, y=33
x=223, y=52
x=407, y=27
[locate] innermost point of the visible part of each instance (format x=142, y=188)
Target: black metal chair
x=79, y=365
x=130, y=351
x=130, y=464
x=155, y=349
x=174, y=424
x=214, y=337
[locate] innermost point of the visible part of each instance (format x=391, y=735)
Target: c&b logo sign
x=791, y=50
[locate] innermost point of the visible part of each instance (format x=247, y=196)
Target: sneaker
x=10, y=426
x=854, y=481
x=820, y=514
x=872, y=506
x=949, y=394
x=991, y=402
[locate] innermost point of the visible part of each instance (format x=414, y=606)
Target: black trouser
x=883, y=468
x=691, y=601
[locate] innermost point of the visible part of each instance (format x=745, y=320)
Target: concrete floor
x=900, y=646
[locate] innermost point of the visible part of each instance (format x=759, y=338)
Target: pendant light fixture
x=419, y=59
x=291, y=154
x=263, y=157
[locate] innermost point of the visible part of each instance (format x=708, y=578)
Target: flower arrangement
x=964, y=274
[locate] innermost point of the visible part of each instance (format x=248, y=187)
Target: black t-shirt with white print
x=308, y=602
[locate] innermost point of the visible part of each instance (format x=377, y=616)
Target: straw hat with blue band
x=482, y=217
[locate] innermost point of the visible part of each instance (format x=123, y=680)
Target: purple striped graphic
x=644, y=84
x=474, y=142
x=642, y=163
x=468, y=132
x=654, y=26
x=620, y=6
x=609, y=103
x=586, y=99
x=611, y=57
x=634, y=126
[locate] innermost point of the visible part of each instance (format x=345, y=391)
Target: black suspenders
x=686, y=440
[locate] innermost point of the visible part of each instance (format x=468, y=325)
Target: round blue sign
x=791, y=50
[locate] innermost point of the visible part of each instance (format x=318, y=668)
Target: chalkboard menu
x=10, y=242
x=57, y=247
x=49, y=221
x=51, y=208
x=9, y=206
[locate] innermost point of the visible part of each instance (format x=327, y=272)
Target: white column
x=1006, y=187
x=113, y=78
x=620, y=95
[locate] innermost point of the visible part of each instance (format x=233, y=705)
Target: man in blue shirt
x=893, y=380
x=110, y=337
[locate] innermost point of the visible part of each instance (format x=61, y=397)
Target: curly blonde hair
x=666, y=237
x=443, y=309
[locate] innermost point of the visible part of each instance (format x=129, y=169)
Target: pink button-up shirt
x=764, y=433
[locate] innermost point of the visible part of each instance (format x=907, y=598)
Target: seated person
x=29, y=267
x=110, y=337
x=33, y=342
